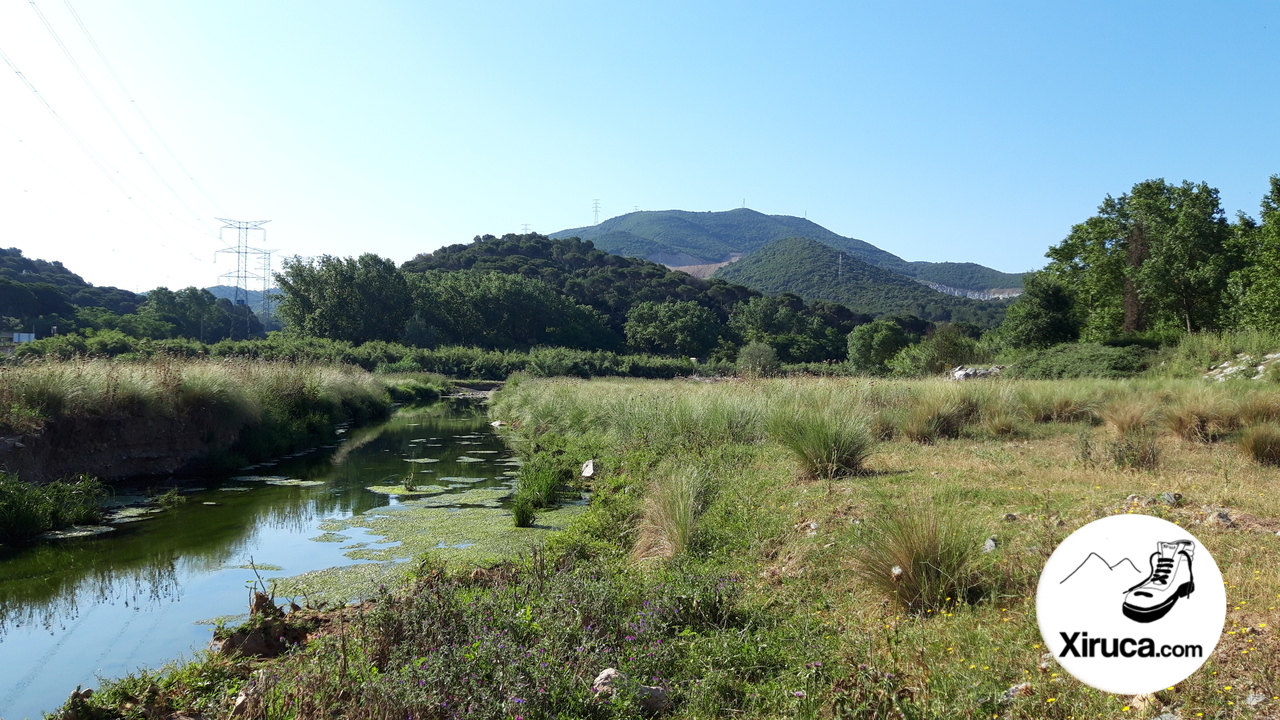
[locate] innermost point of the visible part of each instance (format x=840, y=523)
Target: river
x=148, y=592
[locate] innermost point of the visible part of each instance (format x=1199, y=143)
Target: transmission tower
x=241, y=276
x=596, y=207
x=265, y=267
x=525, y=228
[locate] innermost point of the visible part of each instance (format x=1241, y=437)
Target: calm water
x=72, y=610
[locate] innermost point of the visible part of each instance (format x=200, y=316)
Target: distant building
x=9, y=340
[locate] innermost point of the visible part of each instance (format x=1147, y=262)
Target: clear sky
x=976, y=131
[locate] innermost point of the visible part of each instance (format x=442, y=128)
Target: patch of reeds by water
x=26, y=509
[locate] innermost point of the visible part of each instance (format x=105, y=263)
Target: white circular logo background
x=1131, y=604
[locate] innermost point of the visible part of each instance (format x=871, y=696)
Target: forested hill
x=677, y=237
x=611, y=284
x=32, y=287
x=816, y=271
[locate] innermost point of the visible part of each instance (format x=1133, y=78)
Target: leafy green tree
x=1157, y=257
x=495, y=310
x=871, y=346
x=353, y=299
x=1042, y=316
x=1256, y=286
x=673, y=328
x=786, y=324
x=947, y=347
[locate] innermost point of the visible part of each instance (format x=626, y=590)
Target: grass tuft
x=922, y=558
x=827, y=447
x=672, y=508
x=1262, y=443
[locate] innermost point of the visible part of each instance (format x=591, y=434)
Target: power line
x=114, y=118
x=596, y=207
x=134, y=103
x=242, y=275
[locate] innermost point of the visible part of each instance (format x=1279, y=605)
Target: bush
x=1082, y=360
x=1262, y=443
x=946, y=348
x=922, y=558
x=826, y=447
x=872, y=345
x=757, y=359
x=1136, y=451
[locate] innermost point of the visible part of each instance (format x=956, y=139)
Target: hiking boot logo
x=1171, y=578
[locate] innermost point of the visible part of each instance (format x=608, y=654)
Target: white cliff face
x=992, y=294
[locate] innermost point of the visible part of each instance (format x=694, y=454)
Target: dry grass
x=1262, y=443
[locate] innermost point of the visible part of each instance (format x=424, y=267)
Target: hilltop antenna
x=524, y=228
x=241, y=274
x=635, y=208
x=596, y=207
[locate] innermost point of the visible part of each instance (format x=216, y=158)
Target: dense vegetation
x=676, y=237
x=39, y=296
x=816, y=271
x=732, y=559
x=523, y=291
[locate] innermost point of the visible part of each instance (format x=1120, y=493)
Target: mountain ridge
x=679, y=238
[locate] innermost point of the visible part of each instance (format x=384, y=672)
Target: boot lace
x=1164, y=566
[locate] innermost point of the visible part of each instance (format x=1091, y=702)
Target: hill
x=680, y=238
x=816, y=271
x=49, y=284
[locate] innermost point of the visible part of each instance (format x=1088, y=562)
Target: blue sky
x=937, y=131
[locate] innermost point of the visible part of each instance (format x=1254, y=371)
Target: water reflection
x=112, y=602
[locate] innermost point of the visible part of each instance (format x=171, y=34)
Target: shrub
x=1262, y=443
x=938, y=413
x=1080, y=360
x=946, y=348
x=922, y=558
x=872, y=345
x=756, y=359
x=826, y=447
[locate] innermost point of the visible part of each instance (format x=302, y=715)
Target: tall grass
x=1203, y=414
x=26, y=509
x=1262, y=443
x=923, y=558
x=827, y=447
x=672, y=507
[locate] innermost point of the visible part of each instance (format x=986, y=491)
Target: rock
x=1170, y=498
x=1167, y=716
x=971, y=373
x=1220, y=517
x=991, y=544
x=1015, y=692
x=610, y=682
x=589, y=468
x=1010, y=517
x=497, y=423
x=1254, y=699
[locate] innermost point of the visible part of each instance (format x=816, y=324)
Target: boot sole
x=1151, y=614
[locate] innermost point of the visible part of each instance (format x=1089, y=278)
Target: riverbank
x=120, y=419
x=731, y=560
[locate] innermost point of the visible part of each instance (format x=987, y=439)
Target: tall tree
x=1156, y=257
x=1256, y=286
x=354, y=299
x=1043, y=315
x=673, y=328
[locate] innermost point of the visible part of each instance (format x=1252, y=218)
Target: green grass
x=26, y=509
x=1262, y=444
x=825, y=446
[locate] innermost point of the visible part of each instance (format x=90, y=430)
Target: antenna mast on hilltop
x=596, y=207
x=241, y=276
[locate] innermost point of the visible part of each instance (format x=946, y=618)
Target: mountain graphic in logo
x=1095, y=570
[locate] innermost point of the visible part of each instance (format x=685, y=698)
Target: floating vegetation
x=483, y=452
x=400, y=490
x=130, y=514
x=75, y=531
x=259, y=566
x=331, y=537
x=235, y=489
x=465, y=459
x=422, y=460
x=258, y=478
x=467, y=480
x=295, y=482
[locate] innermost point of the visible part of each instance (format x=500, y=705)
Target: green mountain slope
x=678, y=237
x=816, y=271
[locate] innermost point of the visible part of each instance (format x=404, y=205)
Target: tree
x=947, y=347
x=1157, y=257
x=352, y=299
x=672, y=328
x=1042, y=316
x=871, y=346
x=786, y=324
x=1256, y=286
